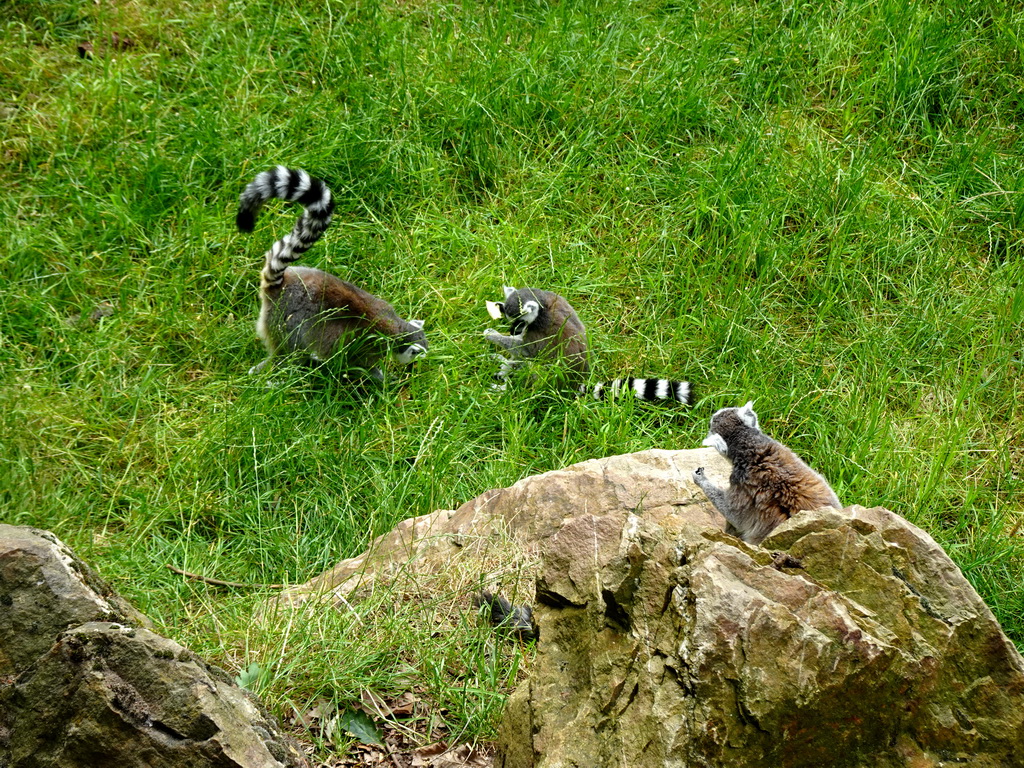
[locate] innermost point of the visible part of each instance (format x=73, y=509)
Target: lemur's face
x=517, y=307
x=725, y=421
x=413, y=344
x=407, y=354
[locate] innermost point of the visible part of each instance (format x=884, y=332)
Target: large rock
x=496, y=535
x=847, y=640
x=84, y=682
x=107, y=694
x=44, y=589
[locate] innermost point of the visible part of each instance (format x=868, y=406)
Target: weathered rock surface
x=850, y=640
x=107, y=694
x=502, y=529
x=44, y=589
x=83, y=682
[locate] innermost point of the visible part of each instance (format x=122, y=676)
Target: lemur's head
x=521, y=306
x=727, y=422
x=412, y=344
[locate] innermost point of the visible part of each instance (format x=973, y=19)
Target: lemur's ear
x=747, y=415
x=494, y=309
x=417, y=324
x=509, y=290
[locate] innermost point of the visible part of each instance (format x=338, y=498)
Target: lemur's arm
x=510, y=343
x=507, y=366
x=260, y=365
x=720, y=499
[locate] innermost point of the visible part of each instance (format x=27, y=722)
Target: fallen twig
x=219, y=582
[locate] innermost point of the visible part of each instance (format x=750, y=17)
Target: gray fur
x=543, y=325
x=310, y=312
x=768, y=484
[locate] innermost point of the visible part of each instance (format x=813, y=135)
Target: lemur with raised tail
x=543, y=325
x=769, y=483
x=310, y=312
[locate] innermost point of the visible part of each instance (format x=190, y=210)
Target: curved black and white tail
x=651, y=390
x=293, y=186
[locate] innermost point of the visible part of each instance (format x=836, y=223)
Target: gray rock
x=108, y=694
x=78, y=689
x=44, y=589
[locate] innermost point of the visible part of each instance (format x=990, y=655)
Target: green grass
x=815, y=206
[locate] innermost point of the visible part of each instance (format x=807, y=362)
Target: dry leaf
x=374, y=703
x=405, y=704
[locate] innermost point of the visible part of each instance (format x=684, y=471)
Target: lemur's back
x=770, y=484
x=317, y=312
x=557, y=332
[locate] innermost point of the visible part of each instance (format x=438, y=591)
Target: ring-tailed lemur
x=544, y=325
x=769, y=483
x=308, y=311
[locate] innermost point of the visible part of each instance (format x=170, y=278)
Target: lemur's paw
x=698, y=475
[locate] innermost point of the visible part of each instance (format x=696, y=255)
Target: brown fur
x=769, y=482
x=310, y=312
x=316, y=313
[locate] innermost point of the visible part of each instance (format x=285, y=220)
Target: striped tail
x=293, y=186
x=651, y=390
